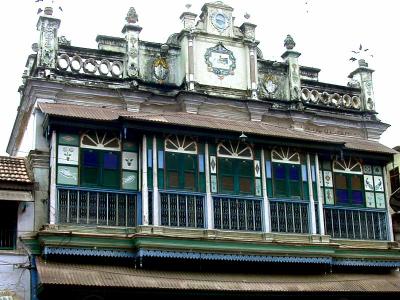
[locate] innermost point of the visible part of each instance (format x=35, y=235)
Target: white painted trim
x=53, y=176
x=145, y=189
x=156, y=195
x=387, y=196
x=266, y=206
x=320, y=198
x=209, y=210
x=21, y=196
x=311, y=195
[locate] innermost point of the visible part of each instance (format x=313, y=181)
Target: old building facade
x=198, y=167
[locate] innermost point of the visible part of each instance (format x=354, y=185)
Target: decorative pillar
x=253, y=71
x=362, y=77
x=266, y=206
x=209, y=213
x=320, y=197
x=387, y=196
x=156, y=195
x=189, y=22
x=48, y=41
x=131, y=32
x=53, y=172
x=311, y=193
x=145, y=189
x=291, y=57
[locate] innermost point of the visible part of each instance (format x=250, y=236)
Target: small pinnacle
x=188, y=6
x=247, y=16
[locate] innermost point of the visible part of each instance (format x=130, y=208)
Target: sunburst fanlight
x=347, y=166
x=183, y=144
x=285, y=155
x=100, y=140
x=235, y=150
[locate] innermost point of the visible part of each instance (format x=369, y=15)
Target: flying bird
x=60, y=8
x=353, y=59
x=39, y=11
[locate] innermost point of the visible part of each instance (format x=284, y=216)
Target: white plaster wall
x=184, y=61
x=237, y=81
x=14, y=278
x=28, y=140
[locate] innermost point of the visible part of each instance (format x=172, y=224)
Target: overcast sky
x=325, y=32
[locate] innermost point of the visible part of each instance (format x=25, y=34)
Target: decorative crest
x=132, y=16
x=360, y=55
x=289, y=42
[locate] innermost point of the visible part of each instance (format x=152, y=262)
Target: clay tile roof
x=70, y=274
x=213, y=123
x=14, y=170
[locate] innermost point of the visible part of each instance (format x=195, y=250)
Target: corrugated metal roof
x=55, y=273
x=14, y=170
x=219, y=124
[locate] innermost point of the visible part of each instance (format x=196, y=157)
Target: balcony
x=94, y=207
x=237, y=213
x=182, y=209
x=355, y=223
x=290, y=216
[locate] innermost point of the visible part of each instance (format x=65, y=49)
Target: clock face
x=220, y=21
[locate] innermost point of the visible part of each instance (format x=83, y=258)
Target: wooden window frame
x=288, y=181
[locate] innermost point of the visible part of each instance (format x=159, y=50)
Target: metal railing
x=96, y=207
x=237, y=213
x=355, y=223
x=8, y=238
x=290, y=216
x=182, y=209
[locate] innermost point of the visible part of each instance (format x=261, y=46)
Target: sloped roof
x=14, y=169
x=70, y=274
x=207, y=122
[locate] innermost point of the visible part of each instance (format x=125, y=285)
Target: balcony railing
x=290, y=216
x=355, y=223
x=86, y=206
x=7, y=239
x=181, y=209
x=237, y=213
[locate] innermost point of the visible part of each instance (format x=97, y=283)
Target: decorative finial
x=360, y=55
x=188, y=6
x=289, y=42
x=247, y=16
x=132, y=16
x=48, y=7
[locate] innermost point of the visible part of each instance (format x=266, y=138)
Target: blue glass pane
x=342, y=196
x=313, y=173
x=149, y=158
x=161, y=159
x=268, y=168
x=294, y=173
x=201, y=163
x=90, y=158
x=110, y=161
x=304, y=174
x=357, y=197
x=279, y=171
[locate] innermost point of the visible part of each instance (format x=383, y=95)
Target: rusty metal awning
x=101, y=276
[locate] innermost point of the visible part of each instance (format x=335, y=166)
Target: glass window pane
x=225, y=166
x=246, y=168
x=173, y=179
x=295, y=189
x=245, y=185
x=279, y=171
x=189, y=181
x=190, y=162
x=358, y=198
x=356, y=182
x=110, y=161
x=171, y=161
x=227, y=183
x=111, y=178
x=280, y=188
x=89, y=176
x=342, y=196
x=294, y=172
x=340, y=181
x=90, y=158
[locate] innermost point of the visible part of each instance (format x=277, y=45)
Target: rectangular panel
x=268, y=169
x=380, y=200
x=149, y=158
x=214, y=184
x=329, y=199
x=129, y=146
x=378, y=183
x=313, y=173
x=160, y=159
x=257, y=169
x=67, y=175
x=68, y=155
x=328, y=179
x=129, y=180
x=367, y=169
x=213, y=164
x=129, y=161
x=377, y=170
x=258, y=187
x=368, y=182
x=304, y=172
x=201, y=163
x=370, y=199
x=68, y=139
x=321, y=178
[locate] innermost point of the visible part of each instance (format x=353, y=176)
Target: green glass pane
x=245, y=168
x=111, y=178
x=171, y=160
x=129, y=180
x=189, y=162
x=280, y=188
x=225, y=166
x=89, y=176
x=67, y=175
x=295, y=189
x=68, y=139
